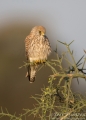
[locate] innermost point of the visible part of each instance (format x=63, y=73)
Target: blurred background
x=64, y=20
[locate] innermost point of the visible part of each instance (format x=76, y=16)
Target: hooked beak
x=42, y=33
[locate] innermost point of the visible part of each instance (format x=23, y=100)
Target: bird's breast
x=39, y=49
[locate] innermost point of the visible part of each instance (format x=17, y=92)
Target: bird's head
x=38, y=30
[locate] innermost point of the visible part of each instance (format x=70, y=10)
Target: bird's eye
x=40, y=32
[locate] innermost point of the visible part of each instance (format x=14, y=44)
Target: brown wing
x=27, y=45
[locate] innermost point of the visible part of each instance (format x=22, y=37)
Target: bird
x=37, y=49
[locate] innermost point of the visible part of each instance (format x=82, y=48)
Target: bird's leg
x=40, y=61
x=37, y=62
x=43, y=61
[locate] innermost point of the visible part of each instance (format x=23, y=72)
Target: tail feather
x=31, y=74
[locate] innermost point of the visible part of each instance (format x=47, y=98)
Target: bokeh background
x=64, y=20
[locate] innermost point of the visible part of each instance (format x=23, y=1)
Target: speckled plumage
x=37, y=48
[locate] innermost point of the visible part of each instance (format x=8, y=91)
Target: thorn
x=84, y=51
x=70, y=43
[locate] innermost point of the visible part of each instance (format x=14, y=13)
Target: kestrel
x=37, y=49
